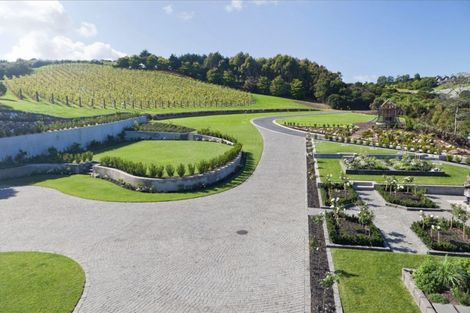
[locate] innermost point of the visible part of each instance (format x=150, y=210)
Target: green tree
x=228, y=78
x=3, y=89
x=213, y=76
x=263, y=85
x=297, y=89
x=279, y=87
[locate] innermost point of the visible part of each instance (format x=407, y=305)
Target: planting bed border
x=408, y=208
x=174, y=184
x=323, y=252
x=330, y=244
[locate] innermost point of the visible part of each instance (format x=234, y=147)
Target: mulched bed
x=408, y=199
x=318, y=269
x=450, y=239
x=313, y=201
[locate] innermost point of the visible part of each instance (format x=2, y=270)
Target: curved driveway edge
x=182, y=256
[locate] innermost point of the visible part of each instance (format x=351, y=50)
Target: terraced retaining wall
x=170, y=184
x=37, y=144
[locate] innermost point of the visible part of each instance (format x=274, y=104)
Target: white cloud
x=87, y=29
x=44, y=30
x=238, y=5
x=365, y=78
x=235, y=5
x=168, y=9
x=186, y=16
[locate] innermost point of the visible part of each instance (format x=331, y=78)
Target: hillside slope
x=86, y=89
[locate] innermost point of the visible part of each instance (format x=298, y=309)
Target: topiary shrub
x=191, y=169
x=181, y=170
x=170, y=170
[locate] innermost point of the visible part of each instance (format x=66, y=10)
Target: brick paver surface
x=183, y=256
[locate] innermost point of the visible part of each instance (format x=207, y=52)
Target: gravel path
x=183, y=256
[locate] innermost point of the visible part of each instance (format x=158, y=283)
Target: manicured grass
x=457, y=174
x=330, y=118
x=370, y=281
x=165, y=152
x=238, y=125
x=9, y=101
x=333, y=147
x=36, y=282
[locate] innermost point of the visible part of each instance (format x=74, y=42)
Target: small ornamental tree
x=180, y=170
x=170, y=170
x=366, y=217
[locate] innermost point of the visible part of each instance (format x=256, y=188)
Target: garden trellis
x=89, y=85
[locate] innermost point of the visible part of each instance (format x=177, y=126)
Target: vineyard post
x=37, y=96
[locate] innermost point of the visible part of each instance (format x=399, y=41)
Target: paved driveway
x=183, y=256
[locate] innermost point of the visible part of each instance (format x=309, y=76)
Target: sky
x=360, y=39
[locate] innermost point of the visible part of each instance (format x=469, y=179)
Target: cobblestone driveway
x=183, y=256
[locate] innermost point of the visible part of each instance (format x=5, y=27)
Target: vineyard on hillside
x=88, y=85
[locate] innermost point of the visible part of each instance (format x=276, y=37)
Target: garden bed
x=448, y=237
x=346, y=196
x=322, y=300
x=312, y=189
x=350, y=232
x=407, y=198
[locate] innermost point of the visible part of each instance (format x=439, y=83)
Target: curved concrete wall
x=170, y=184
x=36, y=144
x=143, y=135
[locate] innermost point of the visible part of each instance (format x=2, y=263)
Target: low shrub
x=181, y=170
x=438, y=298
x=336, y=190
x=162, y=127
x=191, y=169
x=170, y=170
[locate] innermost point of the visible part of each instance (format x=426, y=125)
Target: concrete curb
x=423, y=303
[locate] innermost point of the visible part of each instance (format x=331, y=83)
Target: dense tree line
x=282, y=75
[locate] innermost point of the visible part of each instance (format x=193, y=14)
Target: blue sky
x=361, y=39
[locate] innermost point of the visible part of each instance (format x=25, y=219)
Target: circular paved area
x=183, y=256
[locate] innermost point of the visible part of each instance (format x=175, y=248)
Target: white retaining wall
x=170, y=184
x=36, y=144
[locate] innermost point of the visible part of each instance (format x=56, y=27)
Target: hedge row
x=158, y=170
x=326, y=194
x=163, y=127
x=216, y=133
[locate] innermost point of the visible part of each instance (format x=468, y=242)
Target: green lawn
x=333, y=147
x=457, y=174
x=238, y=125
x=165, y=151
x=35, y=282
x=330, y=118
x=370, y=281
x=9, y=101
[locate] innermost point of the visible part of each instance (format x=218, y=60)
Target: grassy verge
x=457, y=174
x=370, y=281
x=330, y=118
x=36, y=282
x=238, y=125
x=9, y=101
x=332, y=147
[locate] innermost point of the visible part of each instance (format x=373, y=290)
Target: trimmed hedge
x=395, y=198
x=216, y=133
x=375, y=239
x=162, y=127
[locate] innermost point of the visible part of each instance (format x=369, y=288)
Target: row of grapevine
x=104, y=86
